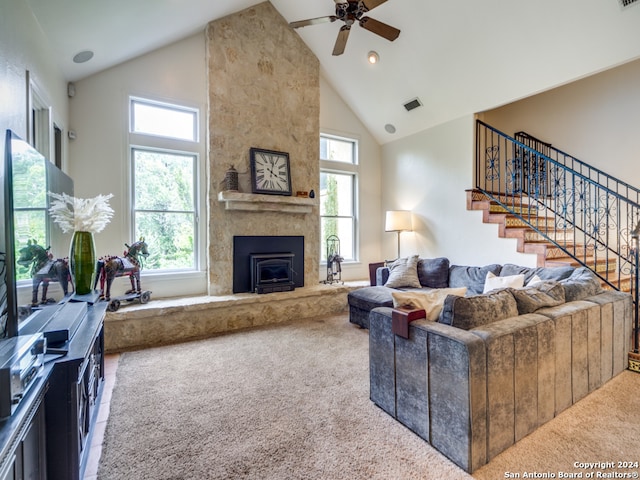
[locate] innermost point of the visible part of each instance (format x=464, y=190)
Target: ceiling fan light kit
x=373, y=57
x=351, y=12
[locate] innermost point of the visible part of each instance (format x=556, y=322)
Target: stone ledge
x=262, y=203
x=166, y=321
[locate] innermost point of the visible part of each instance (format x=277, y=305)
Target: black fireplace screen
x=245, y=246
x=272, y=272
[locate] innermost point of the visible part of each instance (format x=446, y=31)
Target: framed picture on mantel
x=270, y=172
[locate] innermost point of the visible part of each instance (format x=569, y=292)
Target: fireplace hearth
x=265, y=264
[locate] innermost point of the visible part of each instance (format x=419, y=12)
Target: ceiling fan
x=350, y=12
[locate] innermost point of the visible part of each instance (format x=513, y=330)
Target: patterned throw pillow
x=431, y=301
x=403, y=273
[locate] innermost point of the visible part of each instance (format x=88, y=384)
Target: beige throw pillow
x=403, y=273
x=430, y=301
x=492, y=282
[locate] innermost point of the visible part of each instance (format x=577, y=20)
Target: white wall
x=428, y=174
x=23, y=48
x=337, y=118
x=99, y=156
x=596, y=119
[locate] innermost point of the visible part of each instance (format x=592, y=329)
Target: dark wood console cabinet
x=72, y=400
x=22, y=438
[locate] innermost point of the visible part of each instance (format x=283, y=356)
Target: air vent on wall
x=412, y=104
x=626, y=3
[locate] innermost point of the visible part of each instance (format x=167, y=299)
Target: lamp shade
x=398, y=220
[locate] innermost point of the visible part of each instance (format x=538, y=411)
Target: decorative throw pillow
x=545, y=294
x=434, y=272
x=478, y=310
x=492, y=282
x=403, y=273
x=430, y=301
x=581, y=284
x=534, y=280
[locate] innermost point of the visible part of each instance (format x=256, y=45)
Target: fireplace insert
x=272, y=272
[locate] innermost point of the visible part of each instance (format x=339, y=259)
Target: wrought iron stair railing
x=587, y=213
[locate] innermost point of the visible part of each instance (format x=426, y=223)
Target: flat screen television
x=26, y=177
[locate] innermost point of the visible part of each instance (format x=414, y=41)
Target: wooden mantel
x=266, y=203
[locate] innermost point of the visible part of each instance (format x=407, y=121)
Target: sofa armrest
x=434, y=382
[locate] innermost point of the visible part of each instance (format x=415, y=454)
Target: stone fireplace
x=264, y=92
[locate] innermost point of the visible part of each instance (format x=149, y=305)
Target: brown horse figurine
x=110, y=267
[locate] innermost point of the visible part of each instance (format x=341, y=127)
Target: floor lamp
x=398, y=221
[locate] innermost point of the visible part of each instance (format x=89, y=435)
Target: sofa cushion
x=370, y=297
x=431, y=301
x=434, y=272
x=403, y=273
x=544, y=294
x=544, y=273
x=478, y=310
x=471, y=277
x=581, y=284
x=492, y=282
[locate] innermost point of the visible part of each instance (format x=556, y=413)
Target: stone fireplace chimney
x=264, y=92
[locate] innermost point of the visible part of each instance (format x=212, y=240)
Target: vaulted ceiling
x=458, y=57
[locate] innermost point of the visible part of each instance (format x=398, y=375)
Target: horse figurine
x=110, y=267
x=44, y=269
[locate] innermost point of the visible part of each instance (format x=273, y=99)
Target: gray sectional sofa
x=495, y=366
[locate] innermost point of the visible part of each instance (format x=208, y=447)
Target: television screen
x=27, y=177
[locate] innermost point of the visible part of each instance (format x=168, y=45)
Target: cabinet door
x=9, y=470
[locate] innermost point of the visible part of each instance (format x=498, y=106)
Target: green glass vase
x=82, y=258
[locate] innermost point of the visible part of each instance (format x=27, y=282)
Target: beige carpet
x=291, y=401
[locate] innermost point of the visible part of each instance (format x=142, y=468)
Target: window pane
x=164, y=120
x=29, y=225
x=29, y=178
x=163, y=181
x=336, y=194
x=343, y=229
x=337, y=150
x=170, y=239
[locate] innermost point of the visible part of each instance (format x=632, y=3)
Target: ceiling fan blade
x=313, y=21
x=341, y=41
x=371, y=4
x=379, y=28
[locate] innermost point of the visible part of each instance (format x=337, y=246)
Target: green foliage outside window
x=165, y=208
x=30, y=205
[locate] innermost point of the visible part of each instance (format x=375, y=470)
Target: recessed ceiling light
x=83, y=56
x=390, y=128
x=373, y=57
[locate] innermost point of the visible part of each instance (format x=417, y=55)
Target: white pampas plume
x=80, y=215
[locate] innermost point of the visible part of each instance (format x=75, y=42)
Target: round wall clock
x=270, y=172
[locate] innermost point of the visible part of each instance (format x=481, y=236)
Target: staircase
x=534, y=239
x=560, y=209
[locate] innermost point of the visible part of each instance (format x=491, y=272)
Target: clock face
x=270, y=172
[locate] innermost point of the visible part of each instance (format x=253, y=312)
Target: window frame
x=344, y=168
x=173, y=146
x=168, y=106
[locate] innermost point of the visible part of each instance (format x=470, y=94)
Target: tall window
x=164, y=182
x=338, y=186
